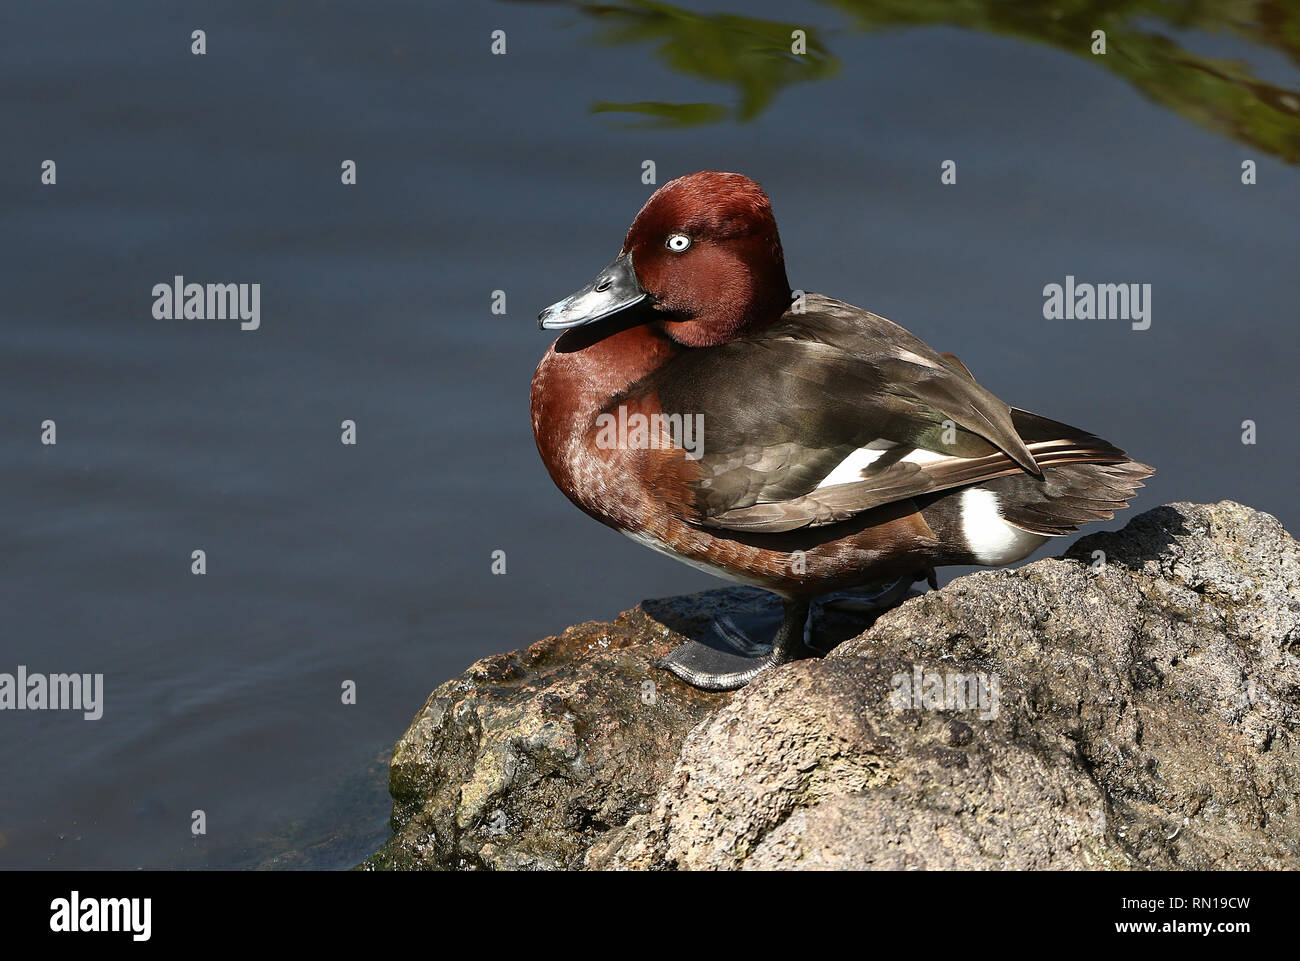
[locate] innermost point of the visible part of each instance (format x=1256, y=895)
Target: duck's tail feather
x=1068, y=496
x=1085, y=479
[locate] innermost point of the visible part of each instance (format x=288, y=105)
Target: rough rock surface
x=1140, y=710
x=528, y=757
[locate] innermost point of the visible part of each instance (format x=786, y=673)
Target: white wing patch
x=922, y=456
x=850, y=469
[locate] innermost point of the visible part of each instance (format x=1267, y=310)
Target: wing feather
x=787, y=406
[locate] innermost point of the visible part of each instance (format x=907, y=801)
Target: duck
x=832, y=450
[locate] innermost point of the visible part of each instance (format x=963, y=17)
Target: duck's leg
x=733, y=664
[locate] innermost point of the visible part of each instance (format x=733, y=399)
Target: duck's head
x=703, y=253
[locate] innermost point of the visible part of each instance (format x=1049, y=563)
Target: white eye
x=678, y=242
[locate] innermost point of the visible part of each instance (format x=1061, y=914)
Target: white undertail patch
x=991, y=539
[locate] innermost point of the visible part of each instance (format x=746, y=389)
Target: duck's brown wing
x=836, y=411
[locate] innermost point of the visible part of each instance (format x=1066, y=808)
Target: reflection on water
x=751, y=55
x=754, y=57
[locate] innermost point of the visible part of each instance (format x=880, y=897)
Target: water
x=329, y=563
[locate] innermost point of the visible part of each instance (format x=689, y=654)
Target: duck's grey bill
x=615, y=288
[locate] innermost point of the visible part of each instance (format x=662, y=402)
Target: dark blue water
x=372, y=563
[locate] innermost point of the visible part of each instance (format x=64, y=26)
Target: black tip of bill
x=615, y=288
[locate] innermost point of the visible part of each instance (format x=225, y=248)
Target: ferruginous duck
x=796, y=443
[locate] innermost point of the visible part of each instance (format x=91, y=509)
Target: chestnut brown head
x=705, y=254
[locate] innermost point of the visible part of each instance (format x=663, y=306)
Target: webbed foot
x=730, y=660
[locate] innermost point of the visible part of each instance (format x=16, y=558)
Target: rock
x=1133, y=704
x=528, y=757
